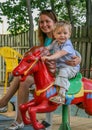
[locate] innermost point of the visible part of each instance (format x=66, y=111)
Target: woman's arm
x=75, y=60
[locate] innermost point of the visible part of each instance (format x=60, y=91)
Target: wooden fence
x=19, y=42
x=81, y=41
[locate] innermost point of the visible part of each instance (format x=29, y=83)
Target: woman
x=47, y=19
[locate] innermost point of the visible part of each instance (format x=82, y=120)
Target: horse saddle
x=75, y=85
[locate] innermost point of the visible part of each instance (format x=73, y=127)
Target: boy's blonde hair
x=61, y=24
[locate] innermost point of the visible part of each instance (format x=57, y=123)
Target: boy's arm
x=55, y=56
x=50, y=47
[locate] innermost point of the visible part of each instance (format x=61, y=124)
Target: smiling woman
x=20, y=86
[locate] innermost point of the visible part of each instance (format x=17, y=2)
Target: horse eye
x=28, y=61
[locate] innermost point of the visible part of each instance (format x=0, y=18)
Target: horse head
x=32, y=64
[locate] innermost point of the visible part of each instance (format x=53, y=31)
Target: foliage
x=16, y=12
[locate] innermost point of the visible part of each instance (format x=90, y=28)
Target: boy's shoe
x=58, y=99
x=15, y=126
x=3, y=109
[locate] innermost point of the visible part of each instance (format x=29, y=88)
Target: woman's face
x=46, y=24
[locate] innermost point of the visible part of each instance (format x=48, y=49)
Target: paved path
x=77, y=123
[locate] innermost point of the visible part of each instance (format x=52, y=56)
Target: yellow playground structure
x=11, y=57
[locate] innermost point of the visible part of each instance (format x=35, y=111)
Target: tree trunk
x=89, y=16
x=31, y=29
x=52, y=5
x=68, y=5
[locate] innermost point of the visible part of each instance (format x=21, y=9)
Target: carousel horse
x=80, y=90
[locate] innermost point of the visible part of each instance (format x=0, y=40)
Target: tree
x=31, y=26
x=18, y=14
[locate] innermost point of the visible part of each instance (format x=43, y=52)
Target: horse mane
x=34, y=49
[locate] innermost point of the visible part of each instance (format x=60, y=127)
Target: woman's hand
x=51, y=65
x=75, y=61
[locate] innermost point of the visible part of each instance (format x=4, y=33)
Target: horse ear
x=45, y=52
x=36, y=48
x=31, y=50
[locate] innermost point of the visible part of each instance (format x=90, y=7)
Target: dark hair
x=51, y=15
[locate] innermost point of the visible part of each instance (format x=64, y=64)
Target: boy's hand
x=44, y=58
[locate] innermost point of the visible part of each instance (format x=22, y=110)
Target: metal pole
x=65, y=119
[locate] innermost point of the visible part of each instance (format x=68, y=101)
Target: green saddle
x=75, y=84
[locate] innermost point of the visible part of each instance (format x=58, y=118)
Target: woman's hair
x=51, y=15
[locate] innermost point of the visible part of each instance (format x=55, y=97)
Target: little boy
x=63, y=51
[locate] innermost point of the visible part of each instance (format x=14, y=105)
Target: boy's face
x=62, y=34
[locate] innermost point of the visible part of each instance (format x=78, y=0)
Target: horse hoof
x=46, y=124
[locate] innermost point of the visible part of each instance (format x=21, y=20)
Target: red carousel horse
x=80, y=90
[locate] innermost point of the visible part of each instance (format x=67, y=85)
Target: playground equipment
x=80, y=90
x=11, y=60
